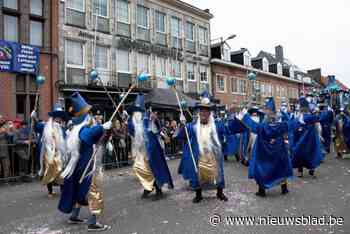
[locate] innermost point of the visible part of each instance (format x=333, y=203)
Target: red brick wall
x=228, y=98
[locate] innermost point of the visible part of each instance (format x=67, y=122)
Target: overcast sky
x=313, y=33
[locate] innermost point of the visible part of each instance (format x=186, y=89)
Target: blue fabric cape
x=72, y=192
x=270, y=164
x=155, y=154
x=326, y=125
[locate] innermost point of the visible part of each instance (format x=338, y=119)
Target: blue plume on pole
x=93, y=75
x=40, y=80
x=183, y=104
x=170, y=81
x=143, y=77
x=252, y=76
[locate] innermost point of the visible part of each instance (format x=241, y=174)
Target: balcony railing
x=75, y=18
x=161, y=38
x=143, y=34
x=203, y=50
x=123, y=29
x=190, y=46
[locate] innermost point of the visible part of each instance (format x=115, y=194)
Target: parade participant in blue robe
x=204, y=135
x=257, y=115
x=342, y=140
x=270, y=164
x=150, y=166
x=326, y=124
x=51, y=146
x=80, y=150
x=305, y=141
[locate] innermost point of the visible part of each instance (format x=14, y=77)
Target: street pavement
x=25, y=208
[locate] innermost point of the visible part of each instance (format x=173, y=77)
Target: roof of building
x=195, y=10
x=241, y=51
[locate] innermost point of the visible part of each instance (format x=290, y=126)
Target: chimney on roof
x=207, y=10
x=279, y=54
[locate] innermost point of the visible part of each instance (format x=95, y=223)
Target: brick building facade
x=30, y=22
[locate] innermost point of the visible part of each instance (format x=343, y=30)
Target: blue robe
x=72, y=191
x=326, y=125
x=346, y=128
x=270, y=164
x=39, y=129
x=244, y=140
x=186, y=168
x=155, y=154
x=305, y=144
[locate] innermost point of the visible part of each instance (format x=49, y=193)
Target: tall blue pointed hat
x=79, y=106
x=58, y=112
x=270, y=104
x=139, y=104
x=205, y=102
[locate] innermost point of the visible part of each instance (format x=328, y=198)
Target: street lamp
x=224, y=41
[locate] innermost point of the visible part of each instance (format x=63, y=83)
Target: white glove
x=33, y=115
x=242, y=114
x=183, y=119
x=301, y=119
x=107, y=125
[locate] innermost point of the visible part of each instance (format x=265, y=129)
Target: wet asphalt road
x=25, y=208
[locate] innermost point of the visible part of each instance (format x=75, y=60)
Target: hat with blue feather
x=139, y=104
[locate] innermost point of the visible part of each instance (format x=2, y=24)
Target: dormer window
x=247, y=60
x=291, y=72
x=279, y=69
x=265, y=65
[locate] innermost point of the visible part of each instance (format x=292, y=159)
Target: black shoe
x=312, y=173
x=198, y=198
x=145, y=194
x=76, y=221
x=237, y=157
x=261, y=192
x=159, y=195
x=300, y=170
x=97, y=227
x=220, y=195
x=284, y=189
x=225, y=158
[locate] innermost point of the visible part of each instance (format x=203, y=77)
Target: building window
x=190, y=72
x=220, y=83
x=176, y=32
x=176, y=69
x=161, y=66
x=160, y=28
x=75, y=54
x=123, y=11
x=203, y=71
x=265, y=65
x=123, y=61
x=203, y=41
x=12, y=4
x=36, y=7
x=238, y=86
x=143, y=63
x=11, y=28
x=36, y=33
x=143, y=23
x=190, y=45
x=78, y=5
x=101, y=57
x=100, y=8
x=25, y=95
x=247, y=60
x=279, y=69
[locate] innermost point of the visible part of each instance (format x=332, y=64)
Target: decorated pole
x=141, y=77
x=95, y=77
x=171, y=82
x=40, y=80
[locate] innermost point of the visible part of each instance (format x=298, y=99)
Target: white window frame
x=165, y=21
x=247, y=59
x=193, y=32
x=279, y=69
x=265, y=64
x=66, y=60
x=116, y=11
x=17, y=25
x=42, y=8
x=200, y=74
x=224, y=77
x=206, y=35
x=173, y=70
x=75, y=9
x=102, y=16
x=180, y=28
x=42, y=32
x=148, y=17
x=194, y=72
x=116, y=59
x=148, y=63
x=108, y=58
x=158, y=59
